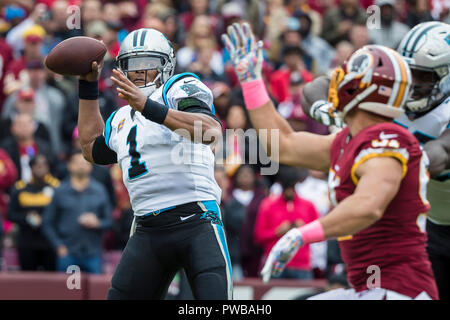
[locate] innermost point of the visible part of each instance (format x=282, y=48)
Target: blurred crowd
x=57, y=209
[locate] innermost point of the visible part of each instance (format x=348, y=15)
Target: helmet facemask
x=430, y=88
x=142, y=64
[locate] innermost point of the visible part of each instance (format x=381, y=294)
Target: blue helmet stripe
x=424, y=32
x=409, y=39
x=135, y=38
x=143, y=37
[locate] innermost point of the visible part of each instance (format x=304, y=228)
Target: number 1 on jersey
x=136, y=168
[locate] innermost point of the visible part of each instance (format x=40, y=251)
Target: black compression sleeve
x=101, y=154
x=196, y=106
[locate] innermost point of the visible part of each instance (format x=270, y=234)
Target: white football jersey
x=160, y=169
x=429, y=127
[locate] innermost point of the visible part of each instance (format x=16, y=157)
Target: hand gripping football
x=74, y=56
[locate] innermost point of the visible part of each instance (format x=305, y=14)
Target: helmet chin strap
x=150, y=87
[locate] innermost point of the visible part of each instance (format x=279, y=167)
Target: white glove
x=321, y=112
x=245, y=53
x=282, y=252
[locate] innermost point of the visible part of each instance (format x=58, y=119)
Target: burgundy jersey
x=396, y=244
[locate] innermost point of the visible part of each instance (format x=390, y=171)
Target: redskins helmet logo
x=360, y=64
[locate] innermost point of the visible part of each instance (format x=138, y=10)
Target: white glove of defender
x=245, y=53
x=321, y=112
x=282, y=252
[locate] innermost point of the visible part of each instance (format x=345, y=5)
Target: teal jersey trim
x=108, y=128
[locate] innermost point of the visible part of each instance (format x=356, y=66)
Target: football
x=74, y=56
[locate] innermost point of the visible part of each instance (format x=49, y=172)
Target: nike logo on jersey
x=189, y=81
x=384, y=136
x=185, y=218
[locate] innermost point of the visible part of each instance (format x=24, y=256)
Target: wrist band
x=255, y=94
x=312, y=232
x=155, y=111
x=87, y=90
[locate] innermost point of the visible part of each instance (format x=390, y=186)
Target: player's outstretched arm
x=438, y=151
x=294, y=148
x=90, y=121
x=379, y=180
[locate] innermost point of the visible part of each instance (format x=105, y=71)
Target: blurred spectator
x=28, y=201
x=338, y=21
x=419, y=11
x=251, y=252
x=242, y=195
x=291, y=108
x=173, y=29
x=198, y=8
x=76, y=218
x=279, y=214
x=5, y=57
x=16, y=75
x=290, y=37
x=107, y=33
x=316, y=47
x=200, y=33
x=235, y=144
x=240, y=145
x=101, y=174
x=233, y=11
x=57, y=18
x=50, y=103
x=440, y=10
x=336, y=269
x=222, y=95
x=24, y=103
x=131, y=12
x=91, y=10
x=111, y=12
x=23, y=145
x=305, y=7
x=275, y=21
x=315, y=189
x=202, y=65
x=153, y=16
x=19, y=21
x=8, y=175
x=391, y=32
x=343, y=50
x=123, y=215
x=359, y=36
x=292, y=62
